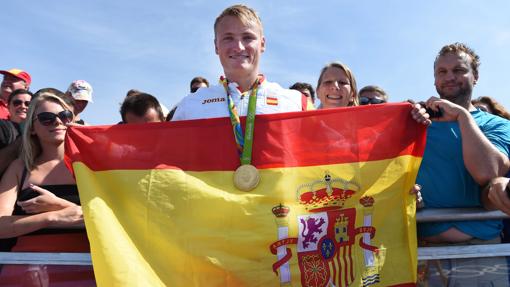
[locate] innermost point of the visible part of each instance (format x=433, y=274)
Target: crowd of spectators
x=464, y=165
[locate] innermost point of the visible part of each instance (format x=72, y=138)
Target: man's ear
x=215, y=46
x=263, y=44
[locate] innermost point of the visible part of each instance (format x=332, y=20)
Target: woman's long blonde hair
x=31, y=146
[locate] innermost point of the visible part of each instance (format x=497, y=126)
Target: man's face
x=9, y=85
x=239, y=46
x=150, y=116
x=454, y=77
x=79, y=106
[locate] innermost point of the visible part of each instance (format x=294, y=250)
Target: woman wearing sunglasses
x=39, y=198
x=337, y=87
x=10, y=130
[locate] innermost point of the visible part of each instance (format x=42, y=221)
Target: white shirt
x=212, y=102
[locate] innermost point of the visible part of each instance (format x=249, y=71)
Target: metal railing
x=424, y=253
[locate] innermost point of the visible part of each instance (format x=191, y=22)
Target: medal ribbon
x=244, y=143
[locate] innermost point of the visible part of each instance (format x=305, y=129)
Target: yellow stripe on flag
x=179, y=228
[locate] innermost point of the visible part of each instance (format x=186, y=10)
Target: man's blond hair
x=458, y=48
x=244, y=13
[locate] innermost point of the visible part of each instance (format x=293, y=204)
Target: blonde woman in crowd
x=39, y=199
x=337, y=87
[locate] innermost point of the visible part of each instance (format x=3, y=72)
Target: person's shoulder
x=203, y=93
x=9, y=131
x=273, y=86
x=18, y=163
x=209, y=91
x=489, y=121
x=15, y=168
x=192, y=106
x=275, y=89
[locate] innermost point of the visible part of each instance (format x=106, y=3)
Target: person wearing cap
x=14, y=79
x=81, y=91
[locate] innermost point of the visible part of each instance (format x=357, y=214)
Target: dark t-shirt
x=9, y=131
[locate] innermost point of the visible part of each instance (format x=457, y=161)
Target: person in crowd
x=81, y=91
x=14, y=79
x=239, y=43
x=371, y=94
x=490, y=105
x=465, y=149
x=10, y=137
x=10, y=130
x=305, y=88
x=197, y=83
x=134, y=92
x=141, y=108
x=336, y=87
x=39, y=197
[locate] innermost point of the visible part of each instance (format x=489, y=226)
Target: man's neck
x=465, y=103
x=244, y=82
x=461, y=100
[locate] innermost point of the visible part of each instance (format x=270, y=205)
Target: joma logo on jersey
x=214, y=100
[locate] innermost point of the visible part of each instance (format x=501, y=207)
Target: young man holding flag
x=239, y=42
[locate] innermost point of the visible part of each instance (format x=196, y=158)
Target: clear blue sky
x=159, y=46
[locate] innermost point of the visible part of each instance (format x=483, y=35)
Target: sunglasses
x=18, y=103
x=365, y=101
x=47, y=118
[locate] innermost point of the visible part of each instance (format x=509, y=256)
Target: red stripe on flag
x=339, y=263
x=333, y=278
x=351, y=265
x=346, y=265
x=334, y=136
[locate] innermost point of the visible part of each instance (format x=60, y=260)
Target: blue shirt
x=445, y=181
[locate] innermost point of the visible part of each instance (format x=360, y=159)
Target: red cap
x=20, y=74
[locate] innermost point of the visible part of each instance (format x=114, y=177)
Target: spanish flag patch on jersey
x=271, y=101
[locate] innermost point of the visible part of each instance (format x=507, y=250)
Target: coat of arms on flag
x=326, y=235
x=332, y=207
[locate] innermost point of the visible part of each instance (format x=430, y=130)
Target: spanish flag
x=332, y=207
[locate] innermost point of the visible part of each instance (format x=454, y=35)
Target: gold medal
x=246, y=177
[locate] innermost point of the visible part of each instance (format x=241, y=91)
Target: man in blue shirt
x=465, y=149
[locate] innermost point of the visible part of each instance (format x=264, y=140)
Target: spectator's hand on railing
x=46, y=201
x=67, y=217
x=498, y=193
x=416, y=189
